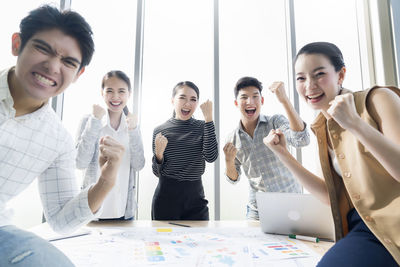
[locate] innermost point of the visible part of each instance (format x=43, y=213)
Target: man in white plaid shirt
x=245, y=148
x=53, y=49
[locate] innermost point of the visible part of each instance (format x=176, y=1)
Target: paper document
x=47, y=233
x=179, y=246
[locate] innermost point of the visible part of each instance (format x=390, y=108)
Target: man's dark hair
x=47, y=17
x=246, y=82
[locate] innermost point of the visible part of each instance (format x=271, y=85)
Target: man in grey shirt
x=245, y=147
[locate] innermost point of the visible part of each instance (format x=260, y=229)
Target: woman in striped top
x=181, y=146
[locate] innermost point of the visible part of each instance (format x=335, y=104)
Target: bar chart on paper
x=186, y=247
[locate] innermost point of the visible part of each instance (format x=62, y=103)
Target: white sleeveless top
x=334, y=161
x=115, y=202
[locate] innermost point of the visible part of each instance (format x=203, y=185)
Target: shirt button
x=341, y=156
x=347, y=174
x=356, y=196
x=335, y=136
x=369, y=219
x=319, y=140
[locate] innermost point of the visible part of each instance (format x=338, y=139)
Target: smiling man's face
x=249, y=102
x=47, y=65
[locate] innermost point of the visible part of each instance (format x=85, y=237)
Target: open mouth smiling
x=44, y=80
x=115, y=104
x=250, y=111
x=315, y=97
x=185, y=112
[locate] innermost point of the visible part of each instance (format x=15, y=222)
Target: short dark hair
x=246, y=82
x=119, y=74
x=331, y=51
x=47, y=17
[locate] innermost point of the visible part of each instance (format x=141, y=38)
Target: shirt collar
x=261, y=119
x=319, y=121
x=40, y=112
x=5, y=95
x=105, y=121
x=4, y=88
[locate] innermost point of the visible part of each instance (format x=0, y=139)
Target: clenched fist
x=230, y=152
x=276, y=141
x=206, y=108
x=160, y=144
x=278, y=88
x=131, y=121
x=111, y=153
x=343, y=111
x=98, y=112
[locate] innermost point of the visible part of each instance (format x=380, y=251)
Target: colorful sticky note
x=164, y=230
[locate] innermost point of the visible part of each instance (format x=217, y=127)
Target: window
x=114, y=37
x=10, y=17
x=178, y=46
x=252, y=43
x=325, y=25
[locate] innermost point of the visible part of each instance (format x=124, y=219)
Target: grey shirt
x=263, y=169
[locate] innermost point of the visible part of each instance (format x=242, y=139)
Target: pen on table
x=179, y=224
x=68, y=236
x=306, y=238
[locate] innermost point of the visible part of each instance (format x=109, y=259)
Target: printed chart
x=175, y=246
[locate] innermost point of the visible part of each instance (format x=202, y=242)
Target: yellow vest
x=364, y=184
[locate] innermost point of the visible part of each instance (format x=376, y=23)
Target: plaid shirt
x=37, y=145
x=260, y=165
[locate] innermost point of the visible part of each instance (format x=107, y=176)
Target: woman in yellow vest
x=358, y=136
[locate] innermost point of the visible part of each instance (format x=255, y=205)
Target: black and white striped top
x=190, y=143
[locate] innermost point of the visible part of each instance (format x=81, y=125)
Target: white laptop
x=290, y=213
